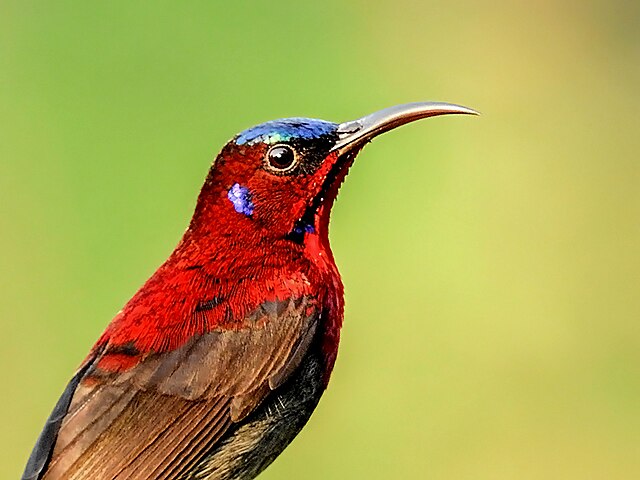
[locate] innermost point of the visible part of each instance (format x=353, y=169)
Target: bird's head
x=277, y=181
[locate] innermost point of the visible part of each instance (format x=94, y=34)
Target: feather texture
x=168, y=411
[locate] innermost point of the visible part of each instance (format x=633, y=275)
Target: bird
x=219, y=359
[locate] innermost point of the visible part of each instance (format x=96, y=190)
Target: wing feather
x=158, y=418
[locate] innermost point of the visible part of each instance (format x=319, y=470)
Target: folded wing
x=158, y=418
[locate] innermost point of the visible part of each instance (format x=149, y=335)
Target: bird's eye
x=281, y=158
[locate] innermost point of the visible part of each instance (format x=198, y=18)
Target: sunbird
x=218, y=361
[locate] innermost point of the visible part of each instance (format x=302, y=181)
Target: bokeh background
x=491, y=264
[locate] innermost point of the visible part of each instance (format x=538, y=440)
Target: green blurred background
x=491, y=264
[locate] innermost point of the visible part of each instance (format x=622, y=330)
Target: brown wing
x=160, y=417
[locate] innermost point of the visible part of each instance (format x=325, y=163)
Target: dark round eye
x=281, y=158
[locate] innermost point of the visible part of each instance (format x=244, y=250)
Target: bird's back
x=221, y=407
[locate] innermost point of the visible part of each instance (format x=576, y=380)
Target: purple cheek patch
x=241, y=199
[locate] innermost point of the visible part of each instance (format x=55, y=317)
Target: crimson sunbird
x=218, y=361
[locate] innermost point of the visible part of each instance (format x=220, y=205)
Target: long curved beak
x=356, y=133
